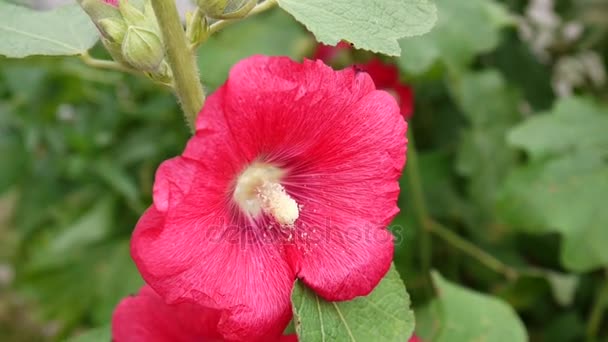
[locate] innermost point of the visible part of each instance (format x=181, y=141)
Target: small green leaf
x=383, y=315
x=101, y=334
x=66, y=30
x=460, y=314
x=464, y=29
x=373, y=25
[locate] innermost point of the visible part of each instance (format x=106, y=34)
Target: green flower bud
x=142, y=48
x=112, y=29
x=226, y=9
x=197, y=28
x=130, y=13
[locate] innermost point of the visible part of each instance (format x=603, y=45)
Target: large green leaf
x=383, y=315
x=66, y=30
x=564, y=188
x=373, y=25
x=464, y=29
x=273, y=34
x=463, y=315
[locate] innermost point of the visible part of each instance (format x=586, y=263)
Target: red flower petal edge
x=146, y=318
x=293, y=173
x=414, y=338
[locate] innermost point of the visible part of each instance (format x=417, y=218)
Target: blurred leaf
x=382, y=315
x=464, y=29
x=66, y=30
x=12, y=159
x=567, y=190
x=118, y=278
x=566, y=195
x=91, y=227
x=483, y=157
x=120, y=181
x=272, y=34
x=373, y=25
x=459, y=314
x=101, y=334
x=575, y=124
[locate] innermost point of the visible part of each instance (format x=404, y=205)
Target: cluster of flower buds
x=130, y=33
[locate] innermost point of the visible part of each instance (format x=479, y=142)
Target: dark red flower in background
x=146, y=318
x=293, y=173
x=385, y=75
x=327, y=52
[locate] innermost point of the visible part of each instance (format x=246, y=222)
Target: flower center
x=258, y=189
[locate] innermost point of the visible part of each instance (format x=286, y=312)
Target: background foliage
x=510, y=125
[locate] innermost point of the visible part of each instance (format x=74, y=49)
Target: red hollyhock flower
x=146, y=318
x=293, y=173
x=111, y=2
x=385, y=76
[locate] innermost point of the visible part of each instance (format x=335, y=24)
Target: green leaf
x=464, y=29
x=383, y=315
x=256, y=35
x=66, y=30
x=566, y=190
x=101, y=334
x=574, y=124
x=568, y=196
x=460, y=314
x=373, y=25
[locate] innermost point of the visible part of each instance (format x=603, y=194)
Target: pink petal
x=146, y=318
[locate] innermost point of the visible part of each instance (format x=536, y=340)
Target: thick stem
x=186, y=81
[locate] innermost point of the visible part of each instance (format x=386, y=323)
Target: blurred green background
x=510, y=126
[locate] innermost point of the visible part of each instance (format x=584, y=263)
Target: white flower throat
x=258, y=189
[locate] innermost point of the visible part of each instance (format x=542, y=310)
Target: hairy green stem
x=259, y=8
x=186, y=80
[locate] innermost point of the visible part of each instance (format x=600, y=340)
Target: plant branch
x=186, y=80
x=597, y=311
x=103, y=64
x=471, y=249
x=259, y=8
